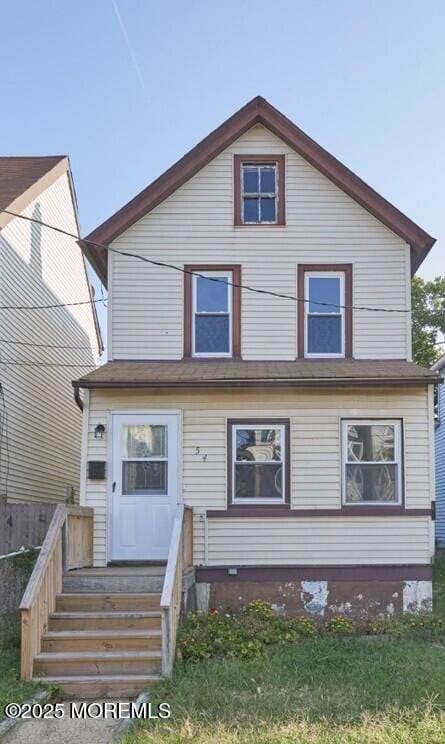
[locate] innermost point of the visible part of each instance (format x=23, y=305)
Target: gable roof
x=257, y=111
x=18, y=174
x=23, y=179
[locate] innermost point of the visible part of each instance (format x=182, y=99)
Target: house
x=439, y=367
x=40, y=349
x=259, y=427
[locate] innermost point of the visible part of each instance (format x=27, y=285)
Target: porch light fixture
x=99, y=431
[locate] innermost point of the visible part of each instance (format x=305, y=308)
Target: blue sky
x=125, y=87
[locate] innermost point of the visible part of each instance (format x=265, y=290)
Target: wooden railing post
x=180, y=557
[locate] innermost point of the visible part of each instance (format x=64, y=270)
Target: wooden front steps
x=104, y=637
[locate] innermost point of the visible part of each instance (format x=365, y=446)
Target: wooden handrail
x=179, y=555
x=65, y=546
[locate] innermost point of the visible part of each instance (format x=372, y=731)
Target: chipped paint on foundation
x=344, y=608
x=279, y=609
x=359, y=596
x=395, y=595
x=390, y=609
x=417, y=596
x=314, y=596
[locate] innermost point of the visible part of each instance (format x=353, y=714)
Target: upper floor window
x=372, y=462
x=212, y=311
x=259, y=190
x=325, y=312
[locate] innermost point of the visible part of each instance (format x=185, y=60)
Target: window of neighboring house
x=212, y=308
x=372, y=462
x=325, y=314
x=259, y=462
x=259, y=190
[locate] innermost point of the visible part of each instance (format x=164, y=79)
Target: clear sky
x=125, y=87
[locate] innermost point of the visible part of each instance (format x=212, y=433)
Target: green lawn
x=322, y=691
x=12, y=689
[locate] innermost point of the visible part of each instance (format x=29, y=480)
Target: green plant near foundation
x=247, y=634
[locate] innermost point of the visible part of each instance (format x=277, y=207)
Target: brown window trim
x=239, y=160
x=371, y=509
x=267, y=508
x=347, y=270
x=236, y=306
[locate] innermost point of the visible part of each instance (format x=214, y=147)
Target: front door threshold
x=136, y=563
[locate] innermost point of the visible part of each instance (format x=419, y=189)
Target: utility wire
x=45, y=364
x=163, y=264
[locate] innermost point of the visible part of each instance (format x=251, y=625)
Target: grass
x=318, y=691
x=12, y=688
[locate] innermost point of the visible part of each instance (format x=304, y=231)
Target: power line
x=48, y=307
x=163, y=264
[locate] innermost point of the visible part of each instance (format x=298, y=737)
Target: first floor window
x=324, y=314
x=259, y=455
x=372, y=461
x=212, y=313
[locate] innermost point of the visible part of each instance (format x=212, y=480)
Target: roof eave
x=265, y=382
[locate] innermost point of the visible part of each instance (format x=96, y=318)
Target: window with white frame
x=258, y=462
x=212, y=314
x=259, y=193
x=324, y=314
x=372, y=462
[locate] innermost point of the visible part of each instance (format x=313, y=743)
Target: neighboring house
x=41, y=349
x=439, y=411
x=301, y=433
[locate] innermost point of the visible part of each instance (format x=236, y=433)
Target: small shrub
x=259, y=609
x=340, y=625
x=304, y=627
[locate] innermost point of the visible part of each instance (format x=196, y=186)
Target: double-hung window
x=212, y=310
x=212, y=314
x=259, y=462
x=259, y=190
x=372, y=462
x=325, y=311
x=325, y=321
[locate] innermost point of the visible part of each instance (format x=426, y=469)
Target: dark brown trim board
x=238, y=161
x=409, y=572
x=257, y=111
x=247, y=512
x=236, y=304
x=287, y=464
x=347, y=270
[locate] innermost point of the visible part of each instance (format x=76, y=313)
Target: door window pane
x=212, y=334
x=144, y=440
x=259, y=481
x=324, y=334
x=144, y=478
x=371, y=483
x=212, y=296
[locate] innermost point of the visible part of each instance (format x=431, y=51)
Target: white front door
x=144, y=486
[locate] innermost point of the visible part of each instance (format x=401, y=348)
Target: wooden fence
x=23, y=524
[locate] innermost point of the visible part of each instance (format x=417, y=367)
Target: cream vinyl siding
x=195, y=225
x=40, y=443
x=316, y=473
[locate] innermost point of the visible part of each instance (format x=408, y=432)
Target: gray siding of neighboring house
x=440, y=470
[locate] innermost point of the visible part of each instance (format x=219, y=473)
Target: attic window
x=259, y=190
